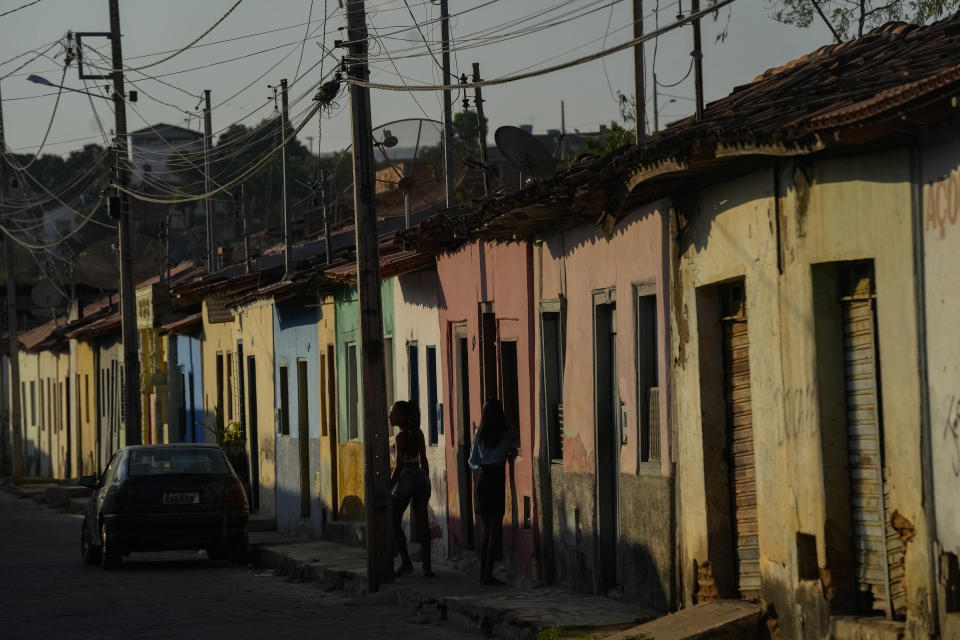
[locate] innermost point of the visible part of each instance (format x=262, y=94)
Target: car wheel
x=240, y=550
x=109, y=556
x=89, y=552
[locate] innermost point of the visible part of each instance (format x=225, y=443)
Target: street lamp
x=132, y=96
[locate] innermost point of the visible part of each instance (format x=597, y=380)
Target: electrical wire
x=559, y=67
x=53, y=114
x=23, y=6
x=40, y=54
x=195, y=41
x=305, y=36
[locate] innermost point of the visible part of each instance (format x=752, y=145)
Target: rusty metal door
x=877, y=547
x=739, y=418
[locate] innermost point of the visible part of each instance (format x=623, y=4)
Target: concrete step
x=60, y=496
x=717, y=620
x=352, y=533
x=261, y=522
x=854, y=628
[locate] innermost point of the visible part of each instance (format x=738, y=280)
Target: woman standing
x=411, y=482
x=492, y=447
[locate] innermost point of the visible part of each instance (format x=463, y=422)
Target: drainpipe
x=926, y=432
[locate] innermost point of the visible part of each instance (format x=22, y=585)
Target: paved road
x=47, y=593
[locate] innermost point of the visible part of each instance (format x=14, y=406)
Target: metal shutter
x=736, y=363
x=879, y=555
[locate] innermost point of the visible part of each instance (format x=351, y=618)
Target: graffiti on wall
x=951, y=434
x=943, y=204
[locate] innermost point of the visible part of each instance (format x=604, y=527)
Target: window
x=413, y=372
x=284, y=402
x=43, y=418
x=388, y=367
x=220, y=385
x=647, y=363
x=303, y=436
x=353, y=396
x=33, y=403
x=229, y=376
x=323, y=395
x=551, y=371
x=510, y=393
x=433, y=422
x=86, y=397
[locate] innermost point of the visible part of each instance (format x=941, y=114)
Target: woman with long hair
x=411, y=482
x=492, y=447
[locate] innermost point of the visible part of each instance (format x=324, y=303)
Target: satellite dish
x=99, y=265
x=525, y=152
x=45, y=295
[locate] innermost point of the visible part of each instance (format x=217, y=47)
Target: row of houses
x=730, y=352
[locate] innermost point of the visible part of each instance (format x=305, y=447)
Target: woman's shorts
x=412, y=483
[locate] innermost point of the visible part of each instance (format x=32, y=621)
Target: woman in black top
x=493, y=446
x=411, y=482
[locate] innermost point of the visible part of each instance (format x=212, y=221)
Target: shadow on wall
x=351, y=508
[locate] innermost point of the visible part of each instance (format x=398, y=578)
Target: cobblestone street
x=47, y=593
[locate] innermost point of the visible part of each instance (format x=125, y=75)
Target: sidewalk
x=502, y=612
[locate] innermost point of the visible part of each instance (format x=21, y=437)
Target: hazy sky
x=495, y=34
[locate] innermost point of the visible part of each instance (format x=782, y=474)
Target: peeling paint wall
x=501, y=275
x=350, y=471
x=295, y=341
x=416, y=319
x=87, y=414
x=253, y=326
x=569, y=267
x=828, y=211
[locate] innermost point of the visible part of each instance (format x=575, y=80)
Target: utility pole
x=447, y=106
x=326, y=219
x=131, y=360
x=638, y=71
x=481, y=128
x=376, y=446
x=697, y=54
x=563, y=131
x=13, y=335
x=246, y=235
x=207, y=202
x=656, y=106
x=284, y=125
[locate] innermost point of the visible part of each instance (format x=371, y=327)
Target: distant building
x=153, y=148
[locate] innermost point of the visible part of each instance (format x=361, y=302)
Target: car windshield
x=153, y=462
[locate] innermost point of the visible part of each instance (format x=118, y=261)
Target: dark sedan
x=165, y=497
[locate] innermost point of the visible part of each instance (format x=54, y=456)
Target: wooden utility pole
x=481, y=128
x=656, y=107
x=447, y=106
x=207, y=202
x=376, y=445
x=128, y=310
x=697, y=54
x=284, y=127
x=13, y=335
x=638, y=71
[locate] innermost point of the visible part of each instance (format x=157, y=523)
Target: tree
x=617, y=135
x=852, y=18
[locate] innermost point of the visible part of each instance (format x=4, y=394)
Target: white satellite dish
x=525, y=152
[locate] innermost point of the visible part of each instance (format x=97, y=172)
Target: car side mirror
x=88, y=481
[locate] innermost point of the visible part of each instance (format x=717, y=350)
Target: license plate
x=181, y=497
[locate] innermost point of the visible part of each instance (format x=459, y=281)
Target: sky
x=261, y=41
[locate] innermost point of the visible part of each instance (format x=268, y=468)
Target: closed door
x=877, y=546
x=608, y=438
x=739, y=417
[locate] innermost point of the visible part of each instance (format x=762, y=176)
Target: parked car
x=165, y=497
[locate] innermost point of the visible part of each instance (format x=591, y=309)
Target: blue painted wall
x=295, y=338
x=190, y=361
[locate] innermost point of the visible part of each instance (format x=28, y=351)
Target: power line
x=23, y=6
x=195, y=41
x=305, y=36
x=566, y=65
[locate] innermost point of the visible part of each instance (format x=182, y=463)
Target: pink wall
x=576, y=263
x=502, y=275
